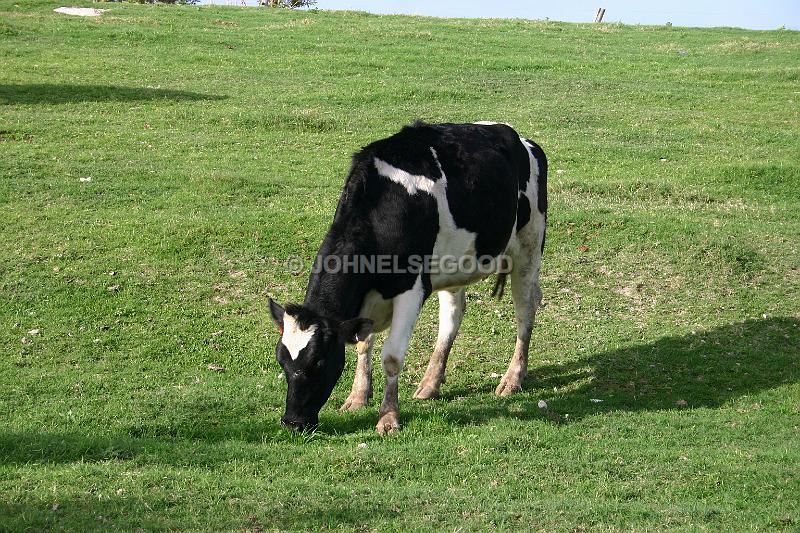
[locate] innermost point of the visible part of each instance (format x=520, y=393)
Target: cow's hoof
x=354, y=403
x=426, y=392
x=388, y=423
x=508, y=386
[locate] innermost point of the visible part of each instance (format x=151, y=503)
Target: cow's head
x=311, y=353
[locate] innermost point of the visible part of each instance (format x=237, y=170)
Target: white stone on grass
x=80, y=11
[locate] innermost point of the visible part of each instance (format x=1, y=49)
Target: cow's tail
x=500, y=285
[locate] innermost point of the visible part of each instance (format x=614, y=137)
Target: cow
x=476, y=191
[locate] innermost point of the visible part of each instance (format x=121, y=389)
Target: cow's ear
x=277, y=313
x=355, y=330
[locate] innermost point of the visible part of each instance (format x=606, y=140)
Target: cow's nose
x=296, y=425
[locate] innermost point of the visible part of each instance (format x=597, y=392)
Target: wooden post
x=600, y=13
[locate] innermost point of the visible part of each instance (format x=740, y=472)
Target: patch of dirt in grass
x=139, y=21
x=669, y=47
x=227, y=23
x=605, y=28
x=290, y=24
x=747, y=45
x=19, y=15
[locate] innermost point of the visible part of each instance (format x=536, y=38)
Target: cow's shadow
x=46, y=93
x=706, y=369
x=703, y=369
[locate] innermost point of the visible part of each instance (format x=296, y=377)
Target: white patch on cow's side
x=490, y=123
x=451, y=240
x=294, y=337
x=411, y=182
x=522, y=242
x=532, y=190
x=378, y=309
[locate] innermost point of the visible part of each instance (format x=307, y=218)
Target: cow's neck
x=336, y=294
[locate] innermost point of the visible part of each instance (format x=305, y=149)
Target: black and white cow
x=431, y=190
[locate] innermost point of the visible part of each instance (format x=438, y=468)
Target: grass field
x=158, y=165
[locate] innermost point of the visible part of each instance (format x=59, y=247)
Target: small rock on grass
x=542, y=404
x=215, y=367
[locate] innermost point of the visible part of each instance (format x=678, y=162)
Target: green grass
x=217, y=141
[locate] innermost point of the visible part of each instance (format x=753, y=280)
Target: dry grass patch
x=299, y=23
x=747, y=45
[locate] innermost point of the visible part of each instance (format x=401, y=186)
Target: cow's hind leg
x=451, y=311
x=405, y=311
x=362, y=383
x=527, y=296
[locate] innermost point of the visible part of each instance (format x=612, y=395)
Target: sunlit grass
x=159, y=164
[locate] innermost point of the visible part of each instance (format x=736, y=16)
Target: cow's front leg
x=405, y=310
x=362, y=383
x=451, y=311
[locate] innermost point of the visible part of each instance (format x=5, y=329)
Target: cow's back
x=393, y=180
x=433, y=191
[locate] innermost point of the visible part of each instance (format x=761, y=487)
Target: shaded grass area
x=64, y=94
x=158, y=165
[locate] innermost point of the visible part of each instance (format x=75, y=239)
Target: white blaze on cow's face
x=294, y=337
x=311, y=354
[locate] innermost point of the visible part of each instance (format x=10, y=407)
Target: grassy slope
x=217, y=141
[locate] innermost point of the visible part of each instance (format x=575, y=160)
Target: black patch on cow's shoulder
x=523, y=211
x=409, y=150
x=541, y=159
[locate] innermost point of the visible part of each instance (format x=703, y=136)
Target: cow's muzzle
x=298, y=425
